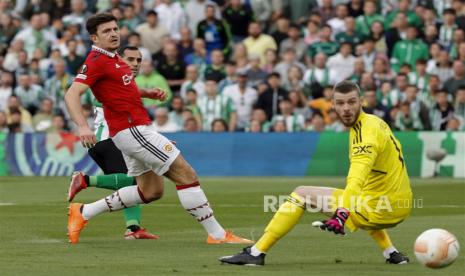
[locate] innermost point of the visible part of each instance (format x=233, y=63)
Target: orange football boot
x=229, y=238
x=76, y=222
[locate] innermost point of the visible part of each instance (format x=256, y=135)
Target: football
x=436, y=248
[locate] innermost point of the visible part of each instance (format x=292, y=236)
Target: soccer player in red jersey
x=148, y=155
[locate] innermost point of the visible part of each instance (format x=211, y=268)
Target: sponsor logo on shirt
x=127, y=79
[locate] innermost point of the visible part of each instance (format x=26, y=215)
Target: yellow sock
x=282, y=222
x=382, y=238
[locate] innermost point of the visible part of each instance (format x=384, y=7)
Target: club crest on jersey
x=117, y=66
x=127, y=79
x=168, y=148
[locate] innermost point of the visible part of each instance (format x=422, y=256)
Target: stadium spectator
x=185, y=44
x=417, y=107
x=29, y=94
x=299, y=103
x=6, y=88
x=199, y=57
x=191, y=125
x=396, y=31
x=130, y=18
x=420, y=78
x=337, y=23
x=442, y=112
x=294, y=122
x=323, y=104
x=359, y=70
x=3, y=123
x=342, y=63
x=42, y=120
x=364, y=22
x=58, y=124
x=214, y=32
x=219, y=125
x=355, y=8
x=16, y=124
x=134, y=40
x=215, y=106
x=295, y=76
x=191, y=105
x=431, y=35
x=176, y=113
x=163, y=122
x=373, y=106
x=289, y=59
x=270, y=99
x=195, y=12
x=446, y=32
x=56, y=86
x=442, y=67
x=461, y=52
x=254, y=127
x=230, y=78
x=459, y=106
x=295, y=42
x=255, y=73
x=78, y=14
x=73, y=59
x=265, y=11
x=403, y=7
x=259, y=116
x=311, y=32
x=316, y=123
x=381, y=72
x=243, y=98
x=417, y=49
x=238, y=16
x=334, y=123
x=406, y=119
x=257, y=43
x=459, y=38
x=150, y=78
x=298, y=10
x=324, y=45
x=377, y=34
x=453, y=83
x=7, y=30
x=172, y=17
x=282, y=31
x=271, y=60
x=192, y=82
x=240, y=56
x=279, y=126
x=171, y=66
x=151, y=32
x=14, y=103
x=319, y=76
x=215, y=70
x=349, y=34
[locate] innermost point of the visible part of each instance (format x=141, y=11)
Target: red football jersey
x=112, y=83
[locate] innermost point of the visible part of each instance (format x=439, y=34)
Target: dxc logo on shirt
x=361, y=149
x=127, y=79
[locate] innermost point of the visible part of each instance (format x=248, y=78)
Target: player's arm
x=73, y=103
x=155, y=94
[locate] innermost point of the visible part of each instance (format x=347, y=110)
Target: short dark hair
x=98, y=19
x=449, y=11
x=346, y=87
x=127, y=47
x=152, y=12
x=273, y=74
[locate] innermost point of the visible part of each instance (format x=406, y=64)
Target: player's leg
x=195, y=202
x=287, y=216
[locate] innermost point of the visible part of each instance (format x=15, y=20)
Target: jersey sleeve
x=90, y=72
x=365, y=146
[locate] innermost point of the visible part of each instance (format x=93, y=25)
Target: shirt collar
x=103, y=51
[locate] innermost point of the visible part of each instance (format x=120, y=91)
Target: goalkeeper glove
x=336, y=223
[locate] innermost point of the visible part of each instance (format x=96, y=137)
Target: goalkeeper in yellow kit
x=377, y=194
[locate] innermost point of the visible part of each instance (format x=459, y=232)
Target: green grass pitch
x=33, y=232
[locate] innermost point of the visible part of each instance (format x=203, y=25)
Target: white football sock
x=254, y=251
x=123, y=198
x=195, y=202
x=388, y=251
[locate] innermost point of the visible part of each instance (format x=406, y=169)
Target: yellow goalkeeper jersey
x=378, y=175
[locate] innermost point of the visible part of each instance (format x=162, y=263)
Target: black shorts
x=108, y=157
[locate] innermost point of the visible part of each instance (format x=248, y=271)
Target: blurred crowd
x=244, y=65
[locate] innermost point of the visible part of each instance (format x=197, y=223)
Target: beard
x=352, y=121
